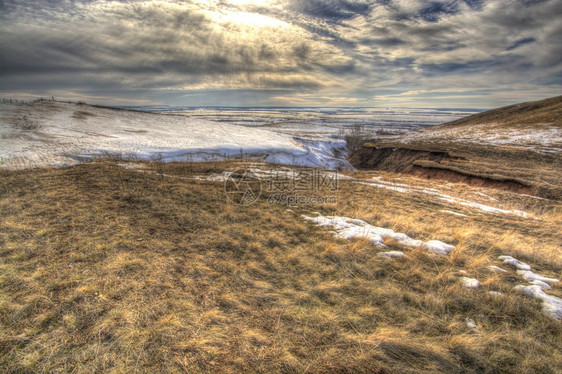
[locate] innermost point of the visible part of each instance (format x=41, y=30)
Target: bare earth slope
x=518, y=147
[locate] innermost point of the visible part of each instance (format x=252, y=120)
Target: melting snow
x=404, y=188
x=437, y=247
x=453, y=213
x=391, y=254
x=541, y=284
x=59, y=134
x=485, y=208
x=551, y=305
x=497, y=269
x=530, y=276
x=543, y=139
x=515, y=263
x=472, y=325
x=349, y=228
x=470, y=282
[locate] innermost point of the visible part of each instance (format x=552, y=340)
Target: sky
x=327, y=53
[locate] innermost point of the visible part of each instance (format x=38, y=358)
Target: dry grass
x=500, y=145
x=535, y=238
x=533, y=113
x=107, y=269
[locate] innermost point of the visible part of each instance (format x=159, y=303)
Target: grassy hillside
x=523, y=114
x=150, y=269
x=521, y=144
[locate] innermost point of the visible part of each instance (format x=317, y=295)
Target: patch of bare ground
x=111, y=269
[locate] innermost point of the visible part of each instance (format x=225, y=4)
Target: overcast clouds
x=465, y=53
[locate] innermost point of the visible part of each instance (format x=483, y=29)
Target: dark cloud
x=384, y=42
x=520, y=42
x=554, y=79
x=474, y=4
x=474, y=67
x=334, y=10
x=532, y=2
x=435, y=9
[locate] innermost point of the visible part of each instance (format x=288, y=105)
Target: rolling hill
x=518, y=147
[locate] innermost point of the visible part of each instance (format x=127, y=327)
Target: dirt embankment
x=399, y=160
x=432, y=165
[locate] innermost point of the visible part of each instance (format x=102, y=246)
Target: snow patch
x=551, y=305
x=437, y=247
x=349, y=228
x=404, y=188
x=472, y=325
x=66, y=134
x=453, y=213
x=531, y=276
x=469, y=282
x=515, y=263
x=541, y=284
x=497, y=269
x=545, y=139
x=391, y=254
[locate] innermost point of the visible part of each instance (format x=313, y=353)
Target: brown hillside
x=517, y=148
x=529, y=113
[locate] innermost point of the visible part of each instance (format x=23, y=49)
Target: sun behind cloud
x=253, y=20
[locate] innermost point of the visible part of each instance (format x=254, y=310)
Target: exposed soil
x=398, y=160
x=410, y=161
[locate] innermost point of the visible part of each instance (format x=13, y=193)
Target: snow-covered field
x=322, y=122
x=59, y=134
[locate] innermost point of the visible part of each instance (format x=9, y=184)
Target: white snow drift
x=515, y=263
x=58, y=134
x=391, y=254
x=349, y=228
x=552, y=305
x=530, y=276
x=469, y=282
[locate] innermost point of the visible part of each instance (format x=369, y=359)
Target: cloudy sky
x=366, y=53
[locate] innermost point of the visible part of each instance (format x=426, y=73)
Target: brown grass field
x=116, y=270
